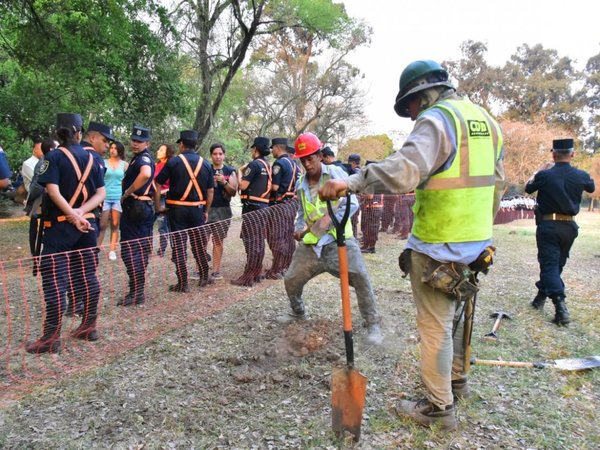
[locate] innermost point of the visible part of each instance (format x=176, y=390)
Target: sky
x=405, y=31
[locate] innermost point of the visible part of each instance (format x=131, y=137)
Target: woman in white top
x=111, y=211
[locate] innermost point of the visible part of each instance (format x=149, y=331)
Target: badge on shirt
x=276, y=170
x=44, y=166
x=146, y=159
x=247, y=172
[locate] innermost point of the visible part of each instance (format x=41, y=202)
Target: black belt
x=559, y=217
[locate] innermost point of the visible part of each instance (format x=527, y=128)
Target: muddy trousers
x=306, y=265
x=441, y=354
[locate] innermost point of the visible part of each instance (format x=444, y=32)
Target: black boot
x=49, y=343
x=562, y=313
x=538, y=301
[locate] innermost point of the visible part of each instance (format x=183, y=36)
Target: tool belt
x=558, y=217
x=60, y=219
x=454, y=279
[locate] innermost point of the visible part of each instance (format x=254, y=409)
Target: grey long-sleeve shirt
x=429, y=148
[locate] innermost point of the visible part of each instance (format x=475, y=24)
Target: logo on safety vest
x=478, y=128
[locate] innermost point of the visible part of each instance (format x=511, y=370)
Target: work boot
x=244, y=280
x=374, y=335
x=460, y=389
x=205, y=281
x=130, y=300
x=427, y=414
x=292, y=316
x=562, y=316
x=538, y=301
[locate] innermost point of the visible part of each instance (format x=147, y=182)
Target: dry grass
x=237, y=379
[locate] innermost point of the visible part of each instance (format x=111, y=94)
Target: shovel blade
x=348, y=391
x=577, y=363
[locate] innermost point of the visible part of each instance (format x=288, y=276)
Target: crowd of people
x=448, y=180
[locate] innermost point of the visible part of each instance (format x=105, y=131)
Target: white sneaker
x=112, y=255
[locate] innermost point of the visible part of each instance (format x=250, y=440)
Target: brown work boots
x=427, y=414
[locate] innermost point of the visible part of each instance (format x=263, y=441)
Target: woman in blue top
x=111, y=211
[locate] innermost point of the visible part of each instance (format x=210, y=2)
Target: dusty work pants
x=306, y=265
x=441, y=354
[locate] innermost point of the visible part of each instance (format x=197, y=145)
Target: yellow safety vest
x=456, y=205
x=313, y=212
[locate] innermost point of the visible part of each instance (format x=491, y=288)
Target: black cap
x=279, y=141
x=327, y=151
x=70, y=121
x=354, y=157
x=563, y=145
x=104, y=130
x=140, y=134
x=261, y=143
x=188, y=135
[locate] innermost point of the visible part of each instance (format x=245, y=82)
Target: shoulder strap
x=193, y=179
x=81, y=177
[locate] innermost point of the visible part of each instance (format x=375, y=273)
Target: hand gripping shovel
x=348, y=386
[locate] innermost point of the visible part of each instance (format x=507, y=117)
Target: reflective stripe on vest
x=313, y=212
x=193, y=182
x=290, y=191
x=456, y=205
x=264, y=197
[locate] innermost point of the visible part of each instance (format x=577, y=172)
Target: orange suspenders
x=289, y=193
x=81, y=189
x=193, y=182
x=264, y=198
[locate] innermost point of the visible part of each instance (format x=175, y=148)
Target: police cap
x=139, y=133
x=279, y=141
x=104, y=130
x=261, y=143
x=188, y=135
x=327, y=151
x=354, y=157
x=70, y=121
x=563, y=145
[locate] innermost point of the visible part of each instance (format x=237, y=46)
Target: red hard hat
x=307, y=144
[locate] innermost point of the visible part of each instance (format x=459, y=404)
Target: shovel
x=560, y=364
x=348, y=386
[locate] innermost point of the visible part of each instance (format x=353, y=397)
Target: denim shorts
x=112, y=204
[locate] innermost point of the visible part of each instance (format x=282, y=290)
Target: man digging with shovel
x=453, y=160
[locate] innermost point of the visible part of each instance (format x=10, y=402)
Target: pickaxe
x=492, y=336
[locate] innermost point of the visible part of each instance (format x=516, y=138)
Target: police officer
x=456, y=200
x=281, y=217
x=75, y=187
x=255, y=191
x=188, y=202
x=138, y=216
x=96, y=140
x=559, y=189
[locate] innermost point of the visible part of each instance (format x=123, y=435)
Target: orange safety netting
x=261, y=256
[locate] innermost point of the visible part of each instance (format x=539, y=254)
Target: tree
x=536, y=86
x=473, y=73
x=592, y=90
x=96, y=58
x=370, y=148
x=218, y=36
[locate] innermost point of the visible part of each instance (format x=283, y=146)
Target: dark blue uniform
x=255, y=200
x=186, y=207
x=280, y=235
x=74, y=271
x=559, y=195
x=136, y=227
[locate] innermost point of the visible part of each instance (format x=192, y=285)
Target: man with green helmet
x=453, y=161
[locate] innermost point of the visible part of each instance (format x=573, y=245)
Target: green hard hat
x=418, y=76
